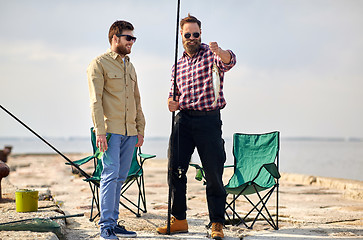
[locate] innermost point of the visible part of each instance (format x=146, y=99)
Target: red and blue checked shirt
x=195, y=81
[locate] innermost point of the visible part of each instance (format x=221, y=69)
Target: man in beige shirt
x=116, y=110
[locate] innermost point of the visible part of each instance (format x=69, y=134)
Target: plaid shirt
x=195, y=81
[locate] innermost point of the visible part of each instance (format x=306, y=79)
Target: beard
x=121, y=49
x=192, y=49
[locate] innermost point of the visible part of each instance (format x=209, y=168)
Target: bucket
x=26, y=200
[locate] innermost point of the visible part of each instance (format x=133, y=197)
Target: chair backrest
x=96, y=175
x=135, y=168
x=251, y=152
x=93, y=140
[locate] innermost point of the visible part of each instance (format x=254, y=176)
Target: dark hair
x=190, y=19
x=117, y=28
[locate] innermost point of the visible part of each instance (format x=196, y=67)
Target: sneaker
x=108, y=233
x=121, y=231
x=176, y=226
x=217, y=232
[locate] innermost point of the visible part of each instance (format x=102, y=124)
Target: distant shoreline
x=159, y=138
x=353, y=188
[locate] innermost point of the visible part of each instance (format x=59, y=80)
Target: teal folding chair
x=93, y=179
x=135, y=175
x=256, y=161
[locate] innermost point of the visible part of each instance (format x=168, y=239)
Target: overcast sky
x=299, y=63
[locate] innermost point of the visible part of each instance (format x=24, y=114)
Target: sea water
x=327, y=158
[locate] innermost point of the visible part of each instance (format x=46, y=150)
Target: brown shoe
x=176, y=226
x=217, y=231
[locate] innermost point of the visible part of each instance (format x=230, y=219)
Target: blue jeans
x=116, y=164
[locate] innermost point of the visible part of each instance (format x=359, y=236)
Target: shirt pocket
x=115, y=82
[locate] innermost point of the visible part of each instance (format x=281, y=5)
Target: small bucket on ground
x=26, y=200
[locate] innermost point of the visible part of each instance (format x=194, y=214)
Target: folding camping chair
x=135, y=175
x=254, y=171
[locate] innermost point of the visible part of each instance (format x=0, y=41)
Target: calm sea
x=327, y=158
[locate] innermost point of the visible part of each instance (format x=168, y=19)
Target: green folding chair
x=135, y=175
x=93, y=179
x=255, y=170
x=256, y=161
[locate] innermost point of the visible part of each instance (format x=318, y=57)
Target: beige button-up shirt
x=114, y=96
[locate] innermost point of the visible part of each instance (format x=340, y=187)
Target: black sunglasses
x=128, y=37
x=195, y=35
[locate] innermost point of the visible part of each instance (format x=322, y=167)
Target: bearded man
x=116, y=111
x=198, y=124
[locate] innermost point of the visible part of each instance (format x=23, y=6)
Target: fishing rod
x=44, y=218
x=56, y=150
x=173, y=118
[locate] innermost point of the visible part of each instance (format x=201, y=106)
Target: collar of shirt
x=114, y=55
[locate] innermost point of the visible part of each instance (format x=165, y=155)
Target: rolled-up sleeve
x=224, y=67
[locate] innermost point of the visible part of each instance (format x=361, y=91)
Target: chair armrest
x=197, y=166
x=228, y=166
x=199, y=175
x=81, y=161
x=272, y=169
x=146, y=156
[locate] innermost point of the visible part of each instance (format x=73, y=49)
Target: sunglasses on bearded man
x=195, y=35
x=128, y=37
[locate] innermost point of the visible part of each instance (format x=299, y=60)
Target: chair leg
x=262, y=200
x=263, y=203
x=277, y=205
x=234, y=213
x=95, y=202
x=124, y=189
x=138, y=198
x=141, y=198
x=142, y=195
x=272, y=223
